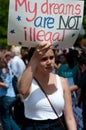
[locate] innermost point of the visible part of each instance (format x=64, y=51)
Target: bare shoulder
x=65, y=84
x=63, y=79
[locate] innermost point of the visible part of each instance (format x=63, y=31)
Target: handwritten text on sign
x=45, y=20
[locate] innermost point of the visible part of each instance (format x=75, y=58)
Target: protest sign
x=34, y=21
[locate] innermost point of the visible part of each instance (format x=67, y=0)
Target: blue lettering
x=44, y=22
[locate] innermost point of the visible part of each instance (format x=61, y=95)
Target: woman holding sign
x=45, y=95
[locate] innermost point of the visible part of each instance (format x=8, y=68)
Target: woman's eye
x=44, y=59
x=52, y=57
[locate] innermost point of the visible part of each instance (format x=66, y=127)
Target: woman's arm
x=68, y=112
x=74, y=88
x=3, y=85
x=25, y=80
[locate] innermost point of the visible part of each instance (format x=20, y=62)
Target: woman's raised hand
x=41, y=49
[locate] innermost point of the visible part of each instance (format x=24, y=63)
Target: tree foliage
x=84, y=18
x=4, y=5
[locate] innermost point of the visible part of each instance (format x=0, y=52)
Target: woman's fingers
x=41, y=49
x=44, y=46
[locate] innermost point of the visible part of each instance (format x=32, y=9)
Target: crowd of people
x=48, y=82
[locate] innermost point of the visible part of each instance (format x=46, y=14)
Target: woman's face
x=3, y=66
x=47, y=62
x=62, y=59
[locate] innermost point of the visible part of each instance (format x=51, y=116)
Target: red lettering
x=78, y=10
x=25, y=34
x=30, y=34
x=41, y=35
x=55, y=8
x=63, y=35
x=33, y=12
x=28, y=8
x=44, y=7
x=19, y=4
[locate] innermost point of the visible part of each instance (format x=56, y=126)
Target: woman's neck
x=44, y=77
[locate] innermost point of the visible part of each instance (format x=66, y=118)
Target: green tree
x=4, y=6
x=84, y=18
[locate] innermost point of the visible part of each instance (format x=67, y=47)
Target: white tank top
x=37, y=106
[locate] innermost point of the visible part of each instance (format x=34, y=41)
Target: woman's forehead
x=49, y=52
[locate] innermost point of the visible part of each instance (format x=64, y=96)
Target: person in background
x=37, y=79
x=69, y=71
x=68, y=68
x=7, y=97
x=81, y=86
x=24, y=55
x=16, y=66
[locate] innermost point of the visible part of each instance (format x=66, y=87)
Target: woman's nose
x=48, y=60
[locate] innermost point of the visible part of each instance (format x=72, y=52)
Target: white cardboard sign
x=34, y=21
